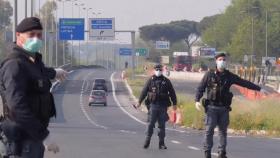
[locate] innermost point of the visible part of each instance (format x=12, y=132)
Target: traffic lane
x=110, y=116
x=66, y=96
x=85, y=140
x=85, y=143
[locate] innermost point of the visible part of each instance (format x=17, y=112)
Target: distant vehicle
x=100, y=84
x=182, y=61
x=97, y=97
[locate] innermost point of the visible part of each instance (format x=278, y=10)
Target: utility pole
x=15, y=20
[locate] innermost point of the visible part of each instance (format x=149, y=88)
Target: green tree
x=243, y=22
x=174, y=31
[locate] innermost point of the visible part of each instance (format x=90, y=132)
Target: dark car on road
x=100, y=84
x=97, y=97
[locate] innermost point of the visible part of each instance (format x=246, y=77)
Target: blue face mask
x=33, y=45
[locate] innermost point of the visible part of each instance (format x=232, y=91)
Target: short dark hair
x=220, y=55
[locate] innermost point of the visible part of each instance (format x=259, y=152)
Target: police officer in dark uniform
x=25, y=91
x=218, y=101
x=159, y=91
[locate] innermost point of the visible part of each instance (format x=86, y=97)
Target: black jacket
x=23, y=81
x=167, y=88
x=227, y=78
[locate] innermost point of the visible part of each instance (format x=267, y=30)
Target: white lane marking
x=53, y=85
x=275, y=138
x=193, y=148
x=126, y=131
x=82, y=106
x=215, y=154
x=118, y=103
x=126, y=112
x=236, y=136
x=57, y=82
x=175, y=142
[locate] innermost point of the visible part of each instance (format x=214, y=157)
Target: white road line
x=126, y=131
x=126, y=112
x=175, y=142
x=82, y=106
x=118, y=103
x=236, y=136
x=215, y=154
x=275, y=138
x=193, y=148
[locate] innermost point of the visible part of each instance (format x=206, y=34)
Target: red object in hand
x=174, y=117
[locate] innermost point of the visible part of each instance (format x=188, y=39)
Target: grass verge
x=253, y=117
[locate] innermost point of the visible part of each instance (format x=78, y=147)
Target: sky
x=132, y=14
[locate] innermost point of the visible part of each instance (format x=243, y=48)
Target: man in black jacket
x=218, y=101
x=25, y=90
x=159, y=91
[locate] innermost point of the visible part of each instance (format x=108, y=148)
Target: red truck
x=182, y=61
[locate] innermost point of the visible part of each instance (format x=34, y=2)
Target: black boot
x=161, y=145
x=147, y=142
x=222, y=154
x=207, y=154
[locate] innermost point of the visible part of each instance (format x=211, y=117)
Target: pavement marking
x=275, y=138
x=126, y=112
x=193, y=148
x=236, y=136
x=215, y=154
x=126, y=131
x=82, y=106
x=175, y=142
x=118, y=103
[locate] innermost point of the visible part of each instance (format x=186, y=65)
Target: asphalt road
x=118, y=130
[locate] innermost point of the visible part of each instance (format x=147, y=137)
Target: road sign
x=208, y=52
x=125, y=51
x=162, y=44
x=101, y=28
x=164, y=59
x=71, y=28
x=246, y=58
x=141, y=51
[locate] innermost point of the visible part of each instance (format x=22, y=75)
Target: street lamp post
x=252, y=33
x=266, y=29
x=96, y=55
x=63, y=42
x=79, y=6
x=72, y=4
x=87, y=38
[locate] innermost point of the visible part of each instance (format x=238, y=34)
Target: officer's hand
x=264, y=92
x=52, y=148
x=174, y=107
x=198, y=106
x=60, y=74
x=50, y=145
x=138, y=105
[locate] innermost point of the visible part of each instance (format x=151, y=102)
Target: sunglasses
x=158, y=69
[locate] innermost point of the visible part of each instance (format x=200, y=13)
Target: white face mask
x=158, y=73
x=221, y=64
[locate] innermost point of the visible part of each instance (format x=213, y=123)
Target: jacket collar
x=36, y=56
